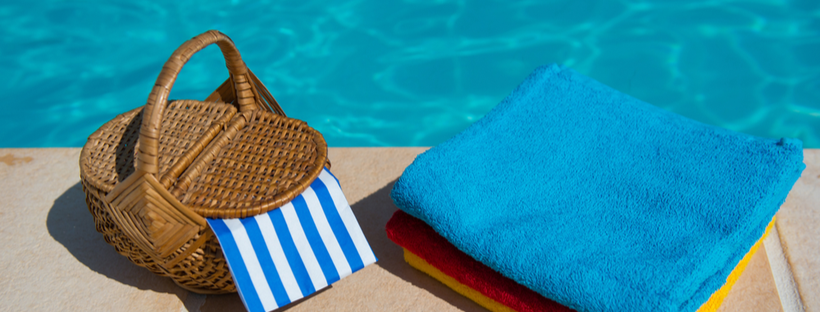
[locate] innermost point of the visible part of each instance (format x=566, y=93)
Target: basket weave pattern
x=151, y=175
x=244, y=172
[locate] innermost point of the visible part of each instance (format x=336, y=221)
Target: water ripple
x=412, y=72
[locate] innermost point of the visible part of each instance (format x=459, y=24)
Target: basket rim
x=255, y=209
x=86, y=150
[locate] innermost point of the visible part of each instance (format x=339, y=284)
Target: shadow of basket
x=70, y=223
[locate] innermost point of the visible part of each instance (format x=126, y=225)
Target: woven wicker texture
x=151, y=175
x=243, y=173
x=111, y=149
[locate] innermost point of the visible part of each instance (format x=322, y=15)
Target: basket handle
x=245, y=90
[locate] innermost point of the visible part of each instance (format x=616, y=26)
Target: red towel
x=420, y=239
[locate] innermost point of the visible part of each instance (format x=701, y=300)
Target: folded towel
x=646, y=210
x=449, y=281
x=280, y=256
x=717, y=297
x=423, y=247
x=421, y=240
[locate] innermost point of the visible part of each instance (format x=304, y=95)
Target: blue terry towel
x=597, y=200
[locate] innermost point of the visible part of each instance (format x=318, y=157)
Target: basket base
x=202, y=291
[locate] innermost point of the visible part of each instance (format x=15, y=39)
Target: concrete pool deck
x=53, y=259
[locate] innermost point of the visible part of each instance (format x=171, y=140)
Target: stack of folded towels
x=571, y=195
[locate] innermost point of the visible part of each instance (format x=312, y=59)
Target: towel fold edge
x=766, y=209
x=401, y=224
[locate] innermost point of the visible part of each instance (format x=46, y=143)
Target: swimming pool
x=413, y=72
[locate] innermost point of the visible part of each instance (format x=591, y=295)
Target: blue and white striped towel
x=288, y=253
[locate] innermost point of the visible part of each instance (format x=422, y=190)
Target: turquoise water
x=414, y=72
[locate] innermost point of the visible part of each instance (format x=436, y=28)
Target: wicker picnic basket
x=152, y=175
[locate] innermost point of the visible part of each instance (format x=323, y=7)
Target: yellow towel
x=419, y=263
x=710, y=306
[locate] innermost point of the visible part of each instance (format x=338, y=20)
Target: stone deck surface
x=53, y=259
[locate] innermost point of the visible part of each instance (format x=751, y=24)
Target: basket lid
x=269, y=160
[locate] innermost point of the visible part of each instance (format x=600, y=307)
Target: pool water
x=413, y=72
